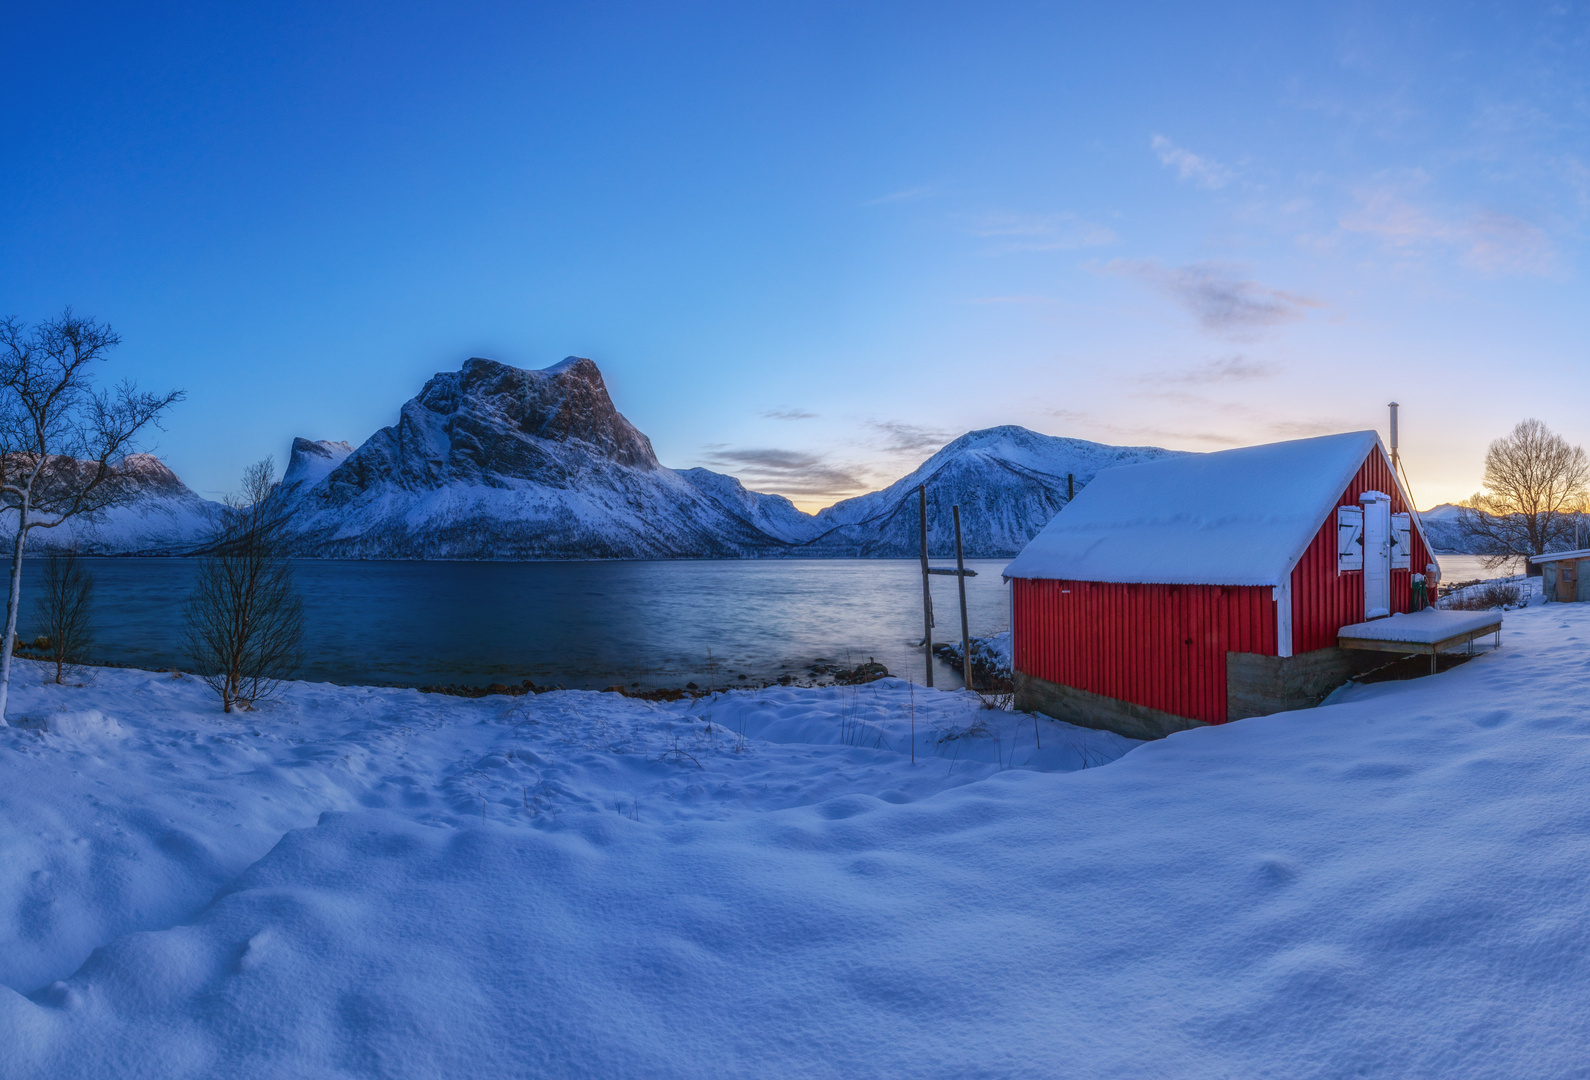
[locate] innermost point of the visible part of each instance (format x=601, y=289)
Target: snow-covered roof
x=1558, y=556
x=1234, y=517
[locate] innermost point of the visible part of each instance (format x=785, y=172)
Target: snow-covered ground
x=356, y=882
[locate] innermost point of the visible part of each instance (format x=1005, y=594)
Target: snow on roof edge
x=1049, y=546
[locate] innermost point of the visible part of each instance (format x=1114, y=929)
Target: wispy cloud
x=1485, y=240
x=1040, y=232
x=906, y=195
x=788, y=472
x=1027, y=299
x=1159, y=435
x=788, y=414
x=903, y=438
x=1305, y=429
x=1216, y=295
x=1201, y=170
x=1230, y=369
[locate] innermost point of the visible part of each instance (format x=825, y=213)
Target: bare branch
x=245, y=619
x=1535, y=490
x=64, y=611
x=63, y=444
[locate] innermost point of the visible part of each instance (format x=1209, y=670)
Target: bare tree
x=62, y=442
x=64, y=610
x=1534, y=493
x=245, y=619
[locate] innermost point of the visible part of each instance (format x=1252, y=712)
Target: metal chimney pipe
x=1393, y=433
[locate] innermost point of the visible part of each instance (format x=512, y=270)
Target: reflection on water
x=580, y=624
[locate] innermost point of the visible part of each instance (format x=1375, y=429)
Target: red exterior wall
x=1323, y=601
x=1163, y=646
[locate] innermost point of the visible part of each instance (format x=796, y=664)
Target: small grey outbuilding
x=1563, y=575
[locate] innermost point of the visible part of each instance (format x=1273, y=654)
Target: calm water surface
x=584, y=624
x=1469, y=567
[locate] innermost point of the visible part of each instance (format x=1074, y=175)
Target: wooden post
x=1071, y=486
x=927, y=592
x=960, y=579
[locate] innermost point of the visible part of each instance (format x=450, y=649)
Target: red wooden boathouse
x=1200, y=589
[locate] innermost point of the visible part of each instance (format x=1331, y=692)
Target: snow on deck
x=363, y=882
x=1423, y=627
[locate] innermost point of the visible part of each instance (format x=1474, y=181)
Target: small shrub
x=65, y=608
x=1485, y=596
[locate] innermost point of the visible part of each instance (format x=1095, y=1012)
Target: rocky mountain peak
x=311, y=461
x=149, y=475
x=567, y=402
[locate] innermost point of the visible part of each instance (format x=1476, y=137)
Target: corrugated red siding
x=1163, y=646
x=1323, y=601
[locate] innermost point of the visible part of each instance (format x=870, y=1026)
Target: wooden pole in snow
x=1071, y=486
x=927, y=592
x=960, y=579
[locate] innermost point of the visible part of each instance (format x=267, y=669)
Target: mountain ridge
x=493, y=462
x=498, y=462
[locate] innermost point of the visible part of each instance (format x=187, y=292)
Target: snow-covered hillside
x=163, y=517
x=1441, y=526
x=361, y=882
x=497, y=462
x=1008, y=482
x=310, y=462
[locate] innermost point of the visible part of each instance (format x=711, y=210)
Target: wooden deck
x=1430, y=632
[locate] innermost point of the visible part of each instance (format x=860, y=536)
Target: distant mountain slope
x=311, y=461
x=773, y=514
x=163, y=517
x=497, y=462
x=1008, y=482
x=1448, y=537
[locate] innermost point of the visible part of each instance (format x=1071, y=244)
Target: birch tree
x=64, y=610
x=62, y=440
x=1534, y=492
x=245, y=618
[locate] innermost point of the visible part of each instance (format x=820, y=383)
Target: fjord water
x=577, y=624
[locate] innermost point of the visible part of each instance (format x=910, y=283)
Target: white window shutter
x=1349, y=538
x=1401, y=541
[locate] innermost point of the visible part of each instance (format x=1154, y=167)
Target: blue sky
x=807, y=244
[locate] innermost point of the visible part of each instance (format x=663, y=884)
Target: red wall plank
x=1323, y=600
x=1163, y=646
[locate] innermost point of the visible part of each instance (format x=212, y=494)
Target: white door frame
x=1377, y=554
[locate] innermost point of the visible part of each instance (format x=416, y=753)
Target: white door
x=1377, y=554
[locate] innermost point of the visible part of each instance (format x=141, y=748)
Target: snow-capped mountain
x=163, y=516
x=1008, y=482
x=1442, y=529
x=1447, y=535
x=773, y=514
x=496, y=462
x=310, y=462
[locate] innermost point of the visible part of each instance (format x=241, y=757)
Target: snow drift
x=374, y=882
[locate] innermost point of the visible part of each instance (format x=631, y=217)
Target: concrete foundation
x=1086, y=709
x=1256, y=685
